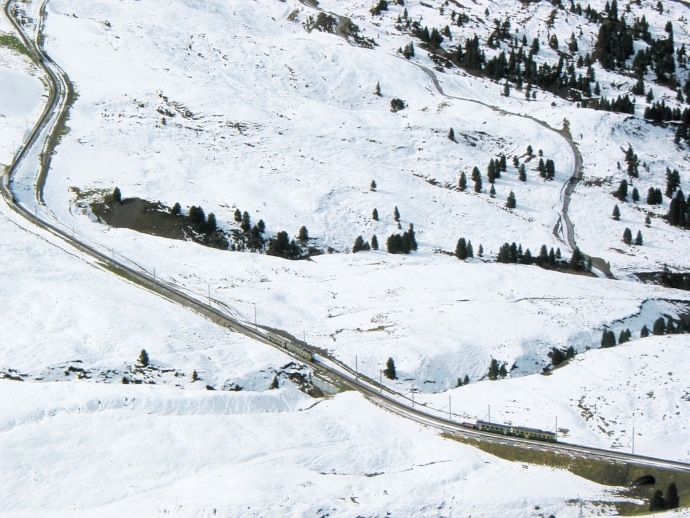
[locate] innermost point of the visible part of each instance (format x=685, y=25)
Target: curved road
x=375, y=392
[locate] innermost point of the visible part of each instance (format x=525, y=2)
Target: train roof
x=487, y=423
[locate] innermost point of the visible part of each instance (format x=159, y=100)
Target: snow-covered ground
x=231, y=105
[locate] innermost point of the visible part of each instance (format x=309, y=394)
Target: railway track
x=375, y=392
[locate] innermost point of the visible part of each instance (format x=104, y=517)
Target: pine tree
x=176, y=210
x=466, y=381
x=492, y=191
x=542, y=168
x=510, y=202
x=648, y=221
x=372, y=185
x=246, y=224
x=375, y=215
x=577, y=260
x=644, y=332
x=378, y=89
x=627, y=236
x=261, y=226
x=638, y=239
x=458, y=383
x=657, y=502
x=396, y=214
x=480, y=251
x=470, y=250
x=359, y=245
x=522, y=174
x=502, y=371
x=451, y=134
x=635, y=195
x=672, y=498
x=274, y=384
x=144, y=358
x=211, y=225
x=462, y=183
x=238, y=215
x=461, y=249
x=478, y=184
x=389, y=371
x=303, y=235
x=374, y=242
x=616, y=213
x=659, y=327
x=608, y=339
x=494, y=369
x=530, y=151
x=195, y=376
x=624, y=336
x=622, y=193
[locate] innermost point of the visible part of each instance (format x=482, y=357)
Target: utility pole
x=381, y=381
x=304, y=336
x=412, y=397
x=356, y=366
x=154, y=278
x=633, y=441
x=209, y=294
x=450, y=414
x=557, y=427
x=255, y=317
x=489, y=413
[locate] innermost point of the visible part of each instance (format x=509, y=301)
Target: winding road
x=329, y=367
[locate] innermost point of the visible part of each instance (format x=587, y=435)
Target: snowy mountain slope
x=285, y=124
x=598, y=398
x=342, y=456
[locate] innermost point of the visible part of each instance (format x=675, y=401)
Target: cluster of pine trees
x=558, y=356
x=661, y=503
x=402, y=243
x=464, y=250
x=497, y=370
x=660, y=327
x=460, y=381
x=513, y=253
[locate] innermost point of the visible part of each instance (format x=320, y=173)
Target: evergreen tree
x=659, y=327
x=478, y=184
x=644, y=332
x=522, y=174
x=492, y=191
x=466, y=381
x=274, y=384
x=577, y=261
x=303, y=235
x=672, y=498
x=195, y=376
x=510, y=202
x=359, y=245
x=480, y=251
x=616, y=213
x=543, y=256
x=462, y=183
x=624, y=336
x=372, y=185
x=494, y=369
x=550, y=169
x=261, y=226
x=389, y=371
x=238, y=215
x=627, y=236
x=647, y=220
x=622, y=193
x=657, y=503
x=117, y=195
x=374, y=242
x=469, y=250
x=458, y=383
x=461, y=249
x=144, y=358
x=176, y=210
x=635, y=194
x=396, y=214
x=375, y=215
x=246, y=224
x=502, y=370
x=503, y=164
x=608, y=339
x=378, y=89
x=451, y=134
x=530, y=151
x=638, y=239
x=211, y=225
x=542, y=168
